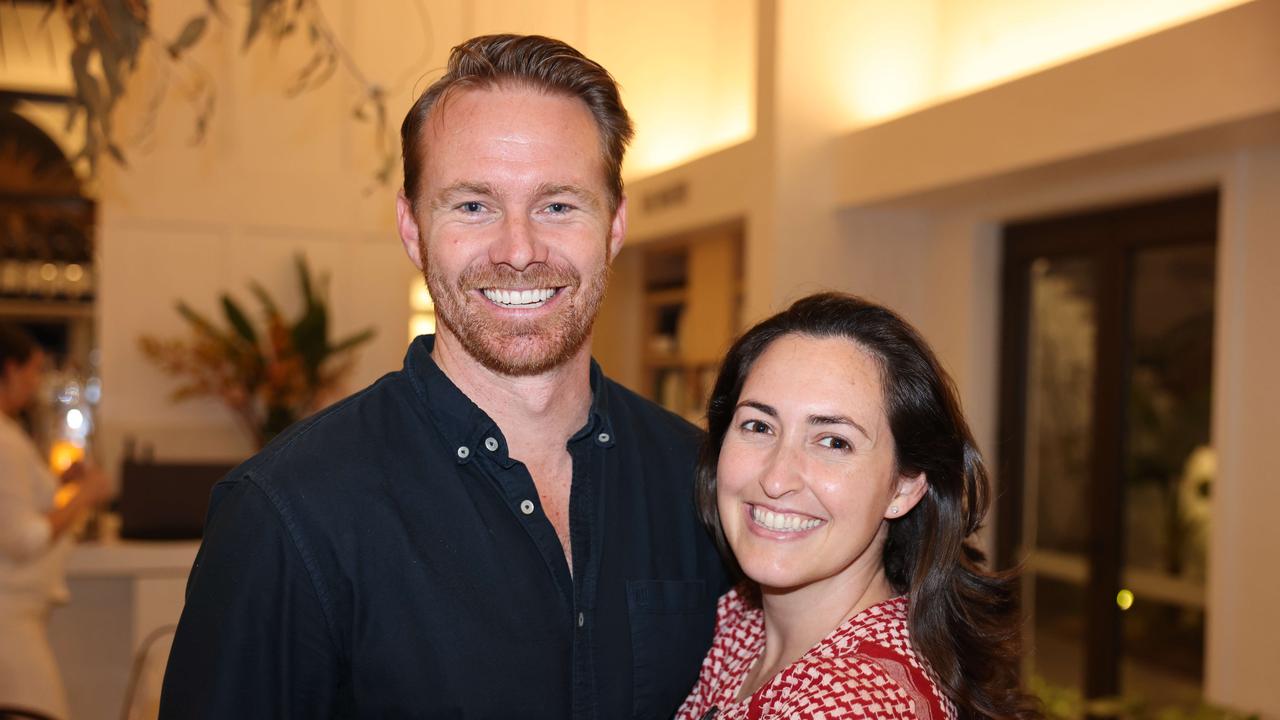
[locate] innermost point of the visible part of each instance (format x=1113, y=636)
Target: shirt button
x=603, y=437
x=582, y=619
x=463, y=452
x=490, y=444
x=526, y=507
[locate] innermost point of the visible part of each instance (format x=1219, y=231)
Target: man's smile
x=520, y=298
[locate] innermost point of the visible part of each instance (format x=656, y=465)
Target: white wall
x=1244, y=636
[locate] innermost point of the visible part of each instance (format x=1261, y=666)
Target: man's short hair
x=532, y=61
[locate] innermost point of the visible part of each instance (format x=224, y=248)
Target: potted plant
x=269, y=376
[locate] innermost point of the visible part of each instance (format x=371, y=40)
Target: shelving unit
x=691, y=300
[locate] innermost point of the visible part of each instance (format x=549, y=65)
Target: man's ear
x=910, y=490
x=618, y=229
x=407, y=225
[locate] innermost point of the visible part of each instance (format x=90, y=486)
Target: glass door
x=1107, y=470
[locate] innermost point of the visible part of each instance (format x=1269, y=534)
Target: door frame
x=1110, y=237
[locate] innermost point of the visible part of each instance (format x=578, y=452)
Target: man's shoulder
x=647, y=418
x=339, y=446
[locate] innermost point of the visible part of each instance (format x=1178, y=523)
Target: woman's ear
x=910, y=490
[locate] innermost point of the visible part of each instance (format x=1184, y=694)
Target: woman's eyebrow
x=766, y=409
x=813, y=419
x=838, y=420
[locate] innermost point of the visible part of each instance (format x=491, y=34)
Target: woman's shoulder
x=857, y=685
x=868, y=667
x=739, y=620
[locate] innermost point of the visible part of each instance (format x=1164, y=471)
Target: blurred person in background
x=35, y=536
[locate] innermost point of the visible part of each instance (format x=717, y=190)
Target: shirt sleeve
x=253, y=640
x=25, y=532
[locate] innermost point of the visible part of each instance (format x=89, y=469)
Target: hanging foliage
x=109, y=36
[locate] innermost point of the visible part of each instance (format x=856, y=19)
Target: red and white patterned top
x=865, y=668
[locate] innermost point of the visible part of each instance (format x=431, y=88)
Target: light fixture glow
x=63, y=455
x=420, y=297
x=1124, y=599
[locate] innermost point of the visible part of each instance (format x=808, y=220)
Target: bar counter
x=125, y=597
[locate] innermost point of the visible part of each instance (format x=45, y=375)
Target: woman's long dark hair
x=963, y=618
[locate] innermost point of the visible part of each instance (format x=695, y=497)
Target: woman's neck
x=797, y=619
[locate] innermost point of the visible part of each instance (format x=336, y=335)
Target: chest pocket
x=671, y=626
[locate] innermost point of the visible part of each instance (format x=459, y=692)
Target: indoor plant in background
x=1062, y=703
x=269, y=376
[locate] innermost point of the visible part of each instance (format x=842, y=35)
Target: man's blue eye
x=472, y=207
x=558, y=207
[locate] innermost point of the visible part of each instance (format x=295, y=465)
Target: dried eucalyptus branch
x=108, y=36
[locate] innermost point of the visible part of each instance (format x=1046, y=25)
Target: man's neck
x=536, y=413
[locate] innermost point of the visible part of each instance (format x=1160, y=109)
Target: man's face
x=513, y=229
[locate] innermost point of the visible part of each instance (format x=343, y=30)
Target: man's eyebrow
x=838, y=420
x=463, y=188
x=577, y=191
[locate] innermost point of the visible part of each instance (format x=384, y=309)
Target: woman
x=840, y=475
x=34, y=537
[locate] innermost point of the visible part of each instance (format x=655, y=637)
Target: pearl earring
x=893, y=509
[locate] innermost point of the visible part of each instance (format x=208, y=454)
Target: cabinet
x=691, y=305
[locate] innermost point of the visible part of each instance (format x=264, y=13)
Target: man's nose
x=517, y=244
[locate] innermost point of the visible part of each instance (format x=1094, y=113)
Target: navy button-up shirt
x=388, y=559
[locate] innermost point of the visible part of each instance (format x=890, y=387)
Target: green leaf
x=304, y=279
x=258, y=11
x=203, y=325
x=352, y=342
x=116, y=154
x=239, y=321
x=310, y=339
x=73, y=112
x=268, y=304
x=189, y=36
x=87, y=91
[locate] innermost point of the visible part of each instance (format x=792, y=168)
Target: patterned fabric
x=865, y=668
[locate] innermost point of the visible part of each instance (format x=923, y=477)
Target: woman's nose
x=783, y=473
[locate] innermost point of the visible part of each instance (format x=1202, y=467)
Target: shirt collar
x=467, y=429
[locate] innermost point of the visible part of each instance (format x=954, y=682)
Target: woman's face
x=807, y=478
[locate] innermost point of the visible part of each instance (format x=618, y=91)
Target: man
x=497, y=530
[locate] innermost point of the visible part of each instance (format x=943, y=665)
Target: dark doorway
x=1107, y=347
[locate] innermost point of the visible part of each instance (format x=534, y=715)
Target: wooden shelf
x=670, y=296
x=52, y=308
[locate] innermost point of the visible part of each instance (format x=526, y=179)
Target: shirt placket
x=585, y=530
x=516, y=486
